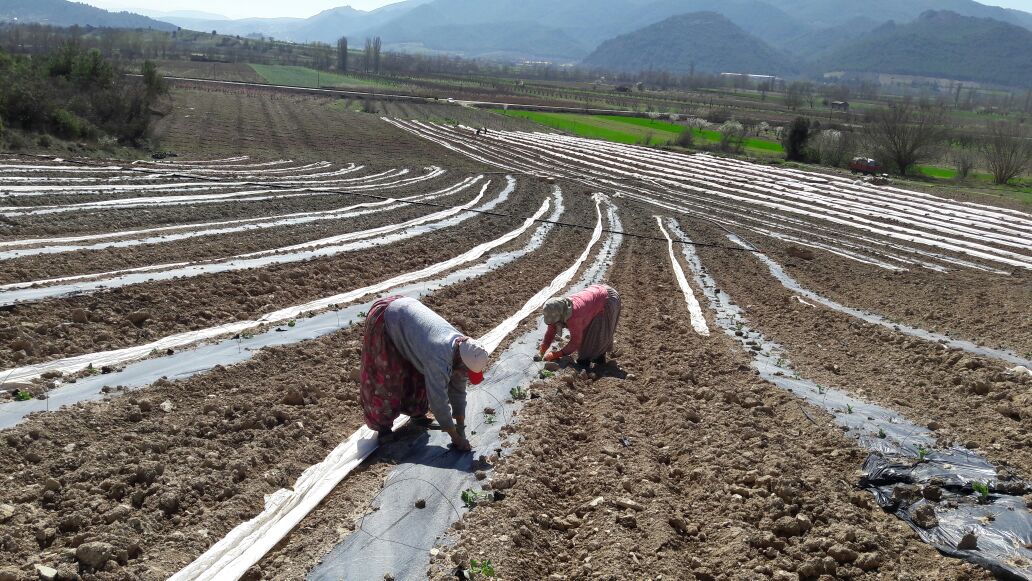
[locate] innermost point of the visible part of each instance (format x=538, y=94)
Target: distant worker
x=413, y=361
x=591, y=316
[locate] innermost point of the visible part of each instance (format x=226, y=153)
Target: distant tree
x=964, y=158
x=377, y=46
x=367, y=55
x=732, y=135
x=686, y=138
x=795, y=139
x=152, y=80
x=904, y=135
x=342, y=54
x=795, y=94
x=831, y=147
x=1007, y=152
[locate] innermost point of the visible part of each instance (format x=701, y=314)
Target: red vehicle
x=865, y=165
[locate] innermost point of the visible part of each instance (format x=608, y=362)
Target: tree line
x=76, y=93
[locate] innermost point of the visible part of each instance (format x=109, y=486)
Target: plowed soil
x=161, y=486
x=47, y=266
x=205, y=301
x=691, y=468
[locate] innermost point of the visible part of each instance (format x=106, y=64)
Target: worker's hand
x=553, y=356
x=461, y=444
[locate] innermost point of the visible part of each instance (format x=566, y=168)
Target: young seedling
x=471, y=497
x=91, y=370
x=291, y=323
x=489, y=419
x=362, y=315
x=22, y=395
x=983, y=491
x=820, y=389
x=922, y=454
x=547, y=374
x=518, y=393
x=849, y=409
x=882, y=434
x=247, y=335
x=484, y=568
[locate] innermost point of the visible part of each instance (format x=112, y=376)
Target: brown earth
x=48, y=329
x=161, y=486
x=206, y=124
x=725, y=476
x=110, y=220
x=46, y=266
x=969, y=400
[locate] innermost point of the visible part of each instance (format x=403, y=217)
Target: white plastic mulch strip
x=694, y=309
x=225, y=227
x=363, y=183
x=245, y=545
x=495, y=336
x=331, y=246
x=790, y=283
x=118, y=356
x=248, y=542
x=966, y=229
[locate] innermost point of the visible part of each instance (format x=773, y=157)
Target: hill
x=830, y=13
x=64, y=13
x=326, y=26
x=942, y=44
x=586, y=23
x=702, y=41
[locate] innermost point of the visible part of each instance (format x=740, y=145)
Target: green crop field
x=306, y=77
x=632, y=129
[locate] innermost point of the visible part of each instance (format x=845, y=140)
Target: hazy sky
x=306, y=8
x=241, y=8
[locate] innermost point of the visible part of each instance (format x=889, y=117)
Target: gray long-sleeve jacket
x=427, y=341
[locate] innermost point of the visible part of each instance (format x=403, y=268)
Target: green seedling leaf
x=471, y=497
x=292, y=323
x=922, y=454
x=882, y=434
x=22, y=395
x=489, y=419
x=982, y=489
x=518, y=393
x=849, y=409
x=484, y=568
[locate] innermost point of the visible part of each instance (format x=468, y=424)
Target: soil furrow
x=690, y=468
x=46, y=266
x=164, y=483
x=966, y=399
x=49, y=330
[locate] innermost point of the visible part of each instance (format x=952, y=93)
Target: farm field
x=633, y=130
x=813, y=378
x=295, y=76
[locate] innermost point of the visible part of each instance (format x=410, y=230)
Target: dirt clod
x=969, y=542
x=95, y=554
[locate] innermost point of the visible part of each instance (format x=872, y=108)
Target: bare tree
x=794, y=95
x=342, y=54
x=1007, y=152
x=964, y=159
x=377, y=46
x=903, y=135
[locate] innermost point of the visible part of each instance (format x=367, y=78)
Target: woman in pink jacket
x=590, y=316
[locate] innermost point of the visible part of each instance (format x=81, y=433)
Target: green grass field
x=306, y=77
x=632, y=130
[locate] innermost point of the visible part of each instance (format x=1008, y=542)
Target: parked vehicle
x=865, y=165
